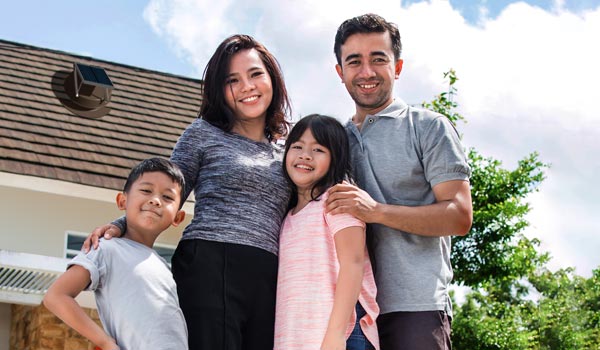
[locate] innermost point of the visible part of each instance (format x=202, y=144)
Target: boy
x=135, y=291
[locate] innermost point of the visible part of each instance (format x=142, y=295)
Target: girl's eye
x=295, y=147
x=145, y=190
x=231, y=81
x=257, y=73
x=319, y=150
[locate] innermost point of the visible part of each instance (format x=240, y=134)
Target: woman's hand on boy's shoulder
x=107, y=231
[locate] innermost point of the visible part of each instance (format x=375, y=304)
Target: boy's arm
x=350, y=248
x=60, y=300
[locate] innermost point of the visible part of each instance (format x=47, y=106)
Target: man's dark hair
x=161, y=165
x=367, y=23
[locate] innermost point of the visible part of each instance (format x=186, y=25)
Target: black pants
x=227, y=294
x=423, y=330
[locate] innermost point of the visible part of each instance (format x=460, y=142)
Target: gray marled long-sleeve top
x=241, y=193
x=240, y=190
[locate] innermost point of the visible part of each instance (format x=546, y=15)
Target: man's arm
x=451, y=214
x=60, y=300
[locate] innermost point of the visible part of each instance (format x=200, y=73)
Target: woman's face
x=248, y=87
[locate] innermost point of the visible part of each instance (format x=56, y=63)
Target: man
x=414, y=188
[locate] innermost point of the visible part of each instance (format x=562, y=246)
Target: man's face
x=368, y=70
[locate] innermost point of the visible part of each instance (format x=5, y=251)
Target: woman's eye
x=256, y=74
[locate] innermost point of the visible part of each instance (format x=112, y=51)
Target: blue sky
x=528, y=74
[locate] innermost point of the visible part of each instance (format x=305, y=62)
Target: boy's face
x=152, y=204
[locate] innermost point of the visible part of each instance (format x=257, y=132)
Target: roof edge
x=136, y=68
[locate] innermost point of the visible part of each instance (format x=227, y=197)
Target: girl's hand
x=333, y=342
x=107, y=231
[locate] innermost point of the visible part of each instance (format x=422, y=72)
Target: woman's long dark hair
x=330, y=134
x=214, y=108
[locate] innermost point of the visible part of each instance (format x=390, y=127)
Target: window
x=74, y=241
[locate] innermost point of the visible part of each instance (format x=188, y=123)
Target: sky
x=529, y=79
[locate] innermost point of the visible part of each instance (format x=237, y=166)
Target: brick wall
x=36, y=328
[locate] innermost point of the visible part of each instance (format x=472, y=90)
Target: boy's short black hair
x=162, y=165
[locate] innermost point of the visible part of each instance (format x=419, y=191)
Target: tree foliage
x=515, y=301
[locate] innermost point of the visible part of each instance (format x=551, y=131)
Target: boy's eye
x=145, y=190
x=169, y=198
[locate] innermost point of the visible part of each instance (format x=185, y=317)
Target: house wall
x=36, y=328
x=37, y=216
x=5, y=319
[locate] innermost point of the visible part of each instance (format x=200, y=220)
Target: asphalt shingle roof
x=40, y=137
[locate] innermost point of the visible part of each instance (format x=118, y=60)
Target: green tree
x=515, y=301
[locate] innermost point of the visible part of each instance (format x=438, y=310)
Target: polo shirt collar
x=396, y=109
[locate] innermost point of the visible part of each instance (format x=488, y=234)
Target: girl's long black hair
x=331, y=134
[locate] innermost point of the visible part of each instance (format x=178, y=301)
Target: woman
x=225, y=265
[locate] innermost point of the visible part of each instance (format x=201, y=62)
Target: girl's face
x=307, y=162
x=248, y=88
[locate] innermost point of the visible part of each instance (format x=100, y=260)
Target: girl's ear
x=121, y=200
x=178, y=218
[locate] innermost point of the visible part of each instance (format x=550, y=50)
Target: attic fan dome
x=88, y=91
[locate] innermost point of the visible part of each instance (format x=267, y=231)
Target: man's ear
x=121, y=200
x=178, y=218
x=339, y=71
x=398, y=67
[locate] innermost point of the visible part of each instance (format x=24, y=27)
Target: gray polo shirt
x=398, y=156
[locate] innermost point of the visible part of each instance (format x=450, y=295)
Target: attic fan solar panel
x=93, y=75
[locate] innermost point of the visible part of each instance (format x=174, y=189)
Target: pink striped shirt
x=308, y=273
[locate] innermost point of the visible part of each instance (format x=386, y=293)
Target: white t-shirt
x=135, y=294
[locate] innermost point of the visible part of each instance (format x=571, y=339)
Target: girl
x=326, y=290
x=225, y=265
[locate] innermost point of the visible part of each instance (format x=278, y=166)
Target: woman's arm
x=60, y=300
x=350, y=248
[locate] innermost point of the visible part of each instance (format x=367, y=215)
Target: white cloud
x=528, y=81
